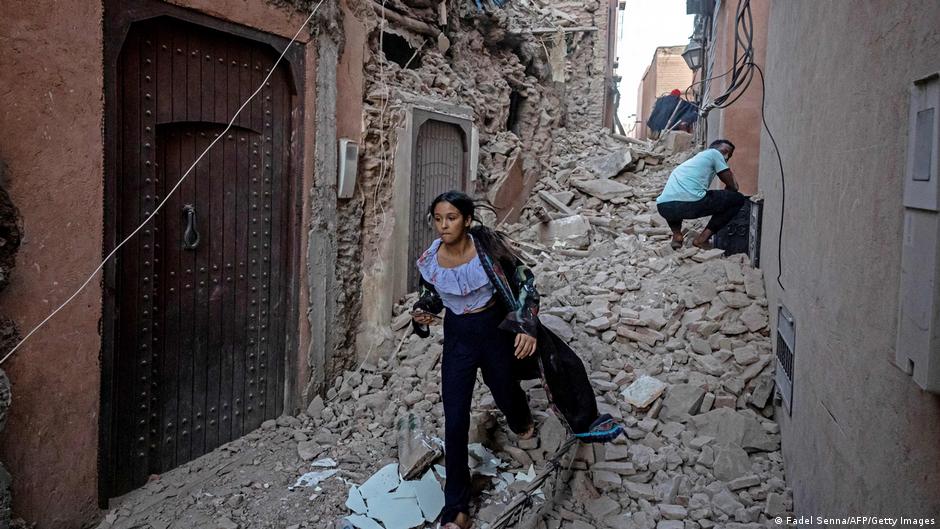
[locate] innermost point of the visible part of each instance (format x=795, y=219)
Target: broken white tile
x=526, y=476
x=441, y=471
x=327, y=462
x=395, y=513
x=404, y=491
x=430, y=496
x=482, y=461
x=382, y=482
x=363, y=522
x=312, y=479
x=354, y=502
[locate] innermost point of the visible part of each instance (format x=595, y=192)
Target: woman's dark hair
x=499, y=244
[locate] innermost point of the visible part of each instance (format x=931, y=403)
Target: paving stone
x=744, y=482
x=673, y=512
x=644, y=391
x=308, y=450
x=606, y=480
x=670, y=524
x=602, y=507
x=761, y=394
x=315, y=409
x=754, y=317
x=640, y=334
x=735, y=300
x=746, y=355
x=558, y=326
x=708, y=401
x=573, y=232
x=726, y=502
x=614, y=452
x=603, y=189
x=776, y=504
x=639, y=490
x=731, y=462
x=610, y=165
x=681, y=401
x=623, y=468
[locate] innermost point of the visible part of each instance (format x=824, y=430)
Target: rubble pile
x=676, y=344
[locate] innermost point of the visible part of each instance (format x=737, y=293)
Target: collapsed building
x=477, y=109
x=278, y=261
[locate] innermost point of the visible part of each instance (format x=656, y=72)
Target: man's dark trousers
x=721, y=204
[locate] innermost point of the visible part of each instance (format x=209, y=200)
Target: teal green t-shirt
x=689, y=181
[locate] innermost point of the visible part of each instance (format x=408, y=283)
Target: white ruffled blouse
x=463, y=288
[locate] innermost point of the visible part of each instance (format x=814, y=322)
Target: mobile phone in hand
x=419, y=312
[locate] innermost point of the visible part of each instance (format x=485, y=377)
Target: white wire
x=168, y=195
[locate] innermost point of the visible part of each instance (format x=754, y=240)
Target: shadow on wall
x=9, y=244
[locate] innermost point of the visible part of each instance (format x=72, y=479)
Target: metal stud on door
x=199, y=298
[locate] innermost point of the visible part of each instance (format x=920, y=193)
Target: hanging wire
x=169, y=194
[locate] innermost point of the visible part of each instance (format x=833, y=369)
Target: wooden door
x=200, y=294
x=439, y=166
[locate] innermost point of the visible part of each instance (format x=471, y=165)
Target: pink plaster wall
x=740, y=122
x=53, y=146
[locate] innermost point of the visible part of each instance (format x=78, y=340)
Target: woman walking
x=491, y=323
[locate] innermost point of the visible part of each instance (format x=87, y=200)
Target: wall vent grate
x=786, y=347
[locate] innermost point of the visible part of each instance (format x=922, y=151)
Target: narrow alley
x=264, y=263
x=676, y=345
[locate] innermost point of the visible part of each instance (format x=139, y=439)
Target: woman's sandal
x=604, y=429
x=467, y=522
x=529, y=434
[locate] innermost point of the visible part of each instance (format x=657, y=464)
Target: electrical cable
x=169, y=194
x=783, y=180
x=742, y=74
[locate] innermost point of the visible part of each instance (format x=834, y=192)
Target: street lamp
x=693, y=54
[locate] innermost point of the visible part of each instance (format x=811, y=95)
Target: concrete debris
x=677, y=141
x=676, y=344
x=644, y=391
x=603, y=189
x=731, y=462
x=573, y=232
x=682, y=400
x=610, y=165
x=557, y=325
x=735, y=428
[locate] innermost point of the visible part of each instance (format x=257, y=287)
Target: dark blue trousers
x=474, y=341
x=721, y=204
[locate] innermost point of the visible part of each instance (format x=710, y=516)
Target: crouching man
x=686, y=195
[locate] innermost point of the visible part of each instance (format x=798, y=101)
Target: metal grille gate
x=198, y=299
x=439, y=167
